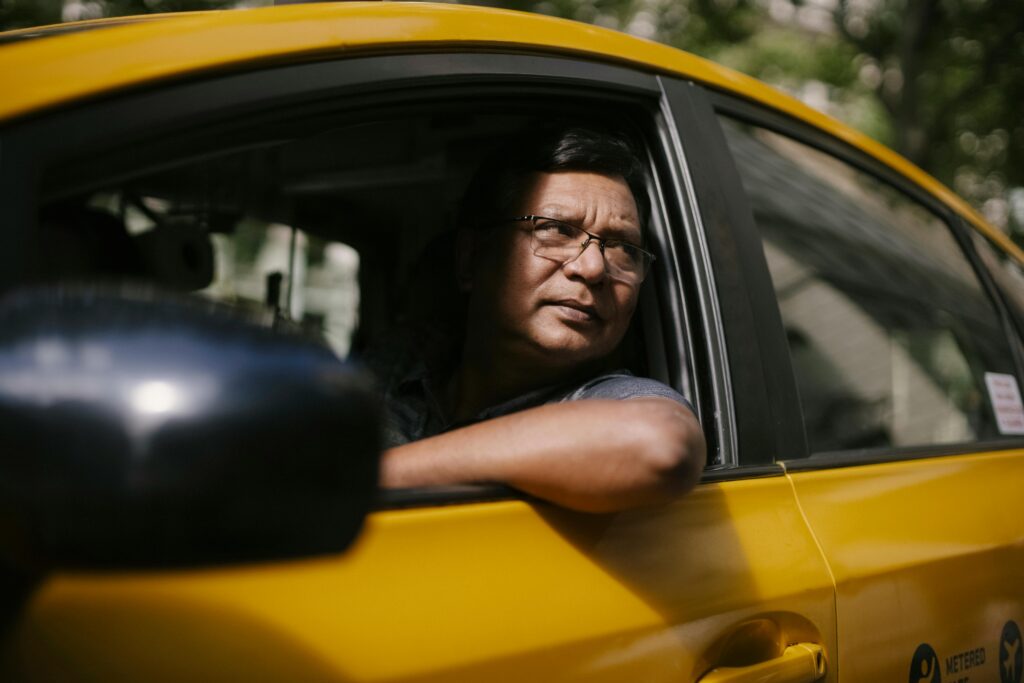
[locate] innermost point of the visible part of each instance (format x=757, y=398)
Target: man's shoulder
x=621, y=385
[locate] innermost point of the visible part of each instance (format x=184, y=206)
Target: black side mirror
x=139, y=430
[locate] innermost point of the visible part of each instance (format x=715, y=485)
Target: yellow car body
x=775, y=568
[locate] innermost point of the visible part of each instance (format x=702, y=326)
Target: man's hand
x=590, y=455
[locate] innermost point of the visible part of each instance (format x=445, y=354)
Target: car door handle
x=800, y=663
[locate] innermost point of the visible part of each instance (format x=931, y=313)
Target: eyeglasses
x=559, y=241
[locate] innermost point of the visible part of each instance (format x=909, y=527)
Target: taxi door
x=909, y=399
x=727, y=584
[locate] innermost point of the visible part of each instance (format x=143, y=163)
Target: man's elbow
x=675, y=451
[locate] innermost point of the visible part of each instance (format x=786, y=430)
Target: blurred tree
x=940, y=81
x=702, y=26
x=25, y=13
x=950, y=76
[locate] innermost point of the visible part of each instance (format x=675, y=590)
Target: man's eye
x=623, y=249
x=623, y=254
x=552, y=228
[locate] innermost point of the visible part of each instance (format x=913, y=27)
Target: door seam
x=824, y=558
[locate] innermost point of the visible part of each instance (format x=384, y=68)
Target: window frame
x=761, y=385
x=30, y=146
x=731, y=106
x=1013, y=313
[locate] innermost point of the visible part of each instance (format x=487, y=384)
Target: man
x=550, y=256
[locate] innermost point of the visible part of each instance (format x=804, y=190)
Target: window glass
x=890, y=332
x=234, y=257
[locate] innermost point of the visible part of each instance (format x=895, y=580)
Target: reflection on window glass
x=889, y=330
x=307, y=278
x=231, y=257
x=250, y=263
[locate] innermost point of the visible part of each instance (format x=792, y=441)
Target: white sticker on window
x=1004, y=394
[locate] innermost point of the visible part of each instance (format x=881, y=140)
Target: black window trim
x=778, y=122
x=698, y=279
x=880, y=456
x=1012, y=322
x=761, y=387
x=1016, y=311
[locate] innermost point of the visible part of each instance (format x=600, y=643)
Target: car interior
x=339, y=224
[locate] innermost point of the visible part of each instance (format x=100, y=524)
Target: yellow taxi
x=848, y=330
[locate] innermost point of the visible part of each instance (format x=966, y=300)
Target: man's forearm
x=595, y=455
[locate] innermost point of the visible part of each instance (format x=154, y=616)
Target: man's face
x=556, y=315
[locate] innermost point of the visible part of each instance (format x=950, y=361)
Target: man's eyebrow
x=619, y=233
x=628, y=232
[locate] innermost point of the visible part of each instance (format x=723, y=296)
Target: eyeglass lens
x=563, y=242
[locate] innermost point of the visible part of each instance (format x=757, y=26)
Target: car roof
x=56, y=65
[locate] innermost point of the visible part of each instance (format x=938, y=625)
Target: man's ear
x=465, y=253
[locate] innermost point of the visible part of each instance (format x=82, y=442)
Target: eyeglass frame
x=591, y=237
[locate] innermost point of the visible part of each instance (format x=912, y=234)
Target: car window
x=328, y=226
x=891, y=335
x=344, y=228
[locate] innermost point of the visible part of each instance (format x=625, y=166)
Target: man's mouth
x=576, y=310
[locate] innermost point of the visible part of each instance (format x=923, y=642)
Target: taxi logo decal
x=1011, y=658
x=924, y=668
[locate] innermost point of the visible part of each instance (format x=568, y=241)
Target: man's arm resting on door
x=590, y=455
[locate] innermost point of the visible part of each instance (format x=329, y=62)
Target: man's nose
x=589, y=265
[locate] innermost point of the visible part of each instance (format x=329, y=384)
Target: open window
x=339, y=220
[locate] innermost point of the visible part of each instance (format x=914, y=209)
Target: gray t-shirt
x=622, y=384
x=412, y=411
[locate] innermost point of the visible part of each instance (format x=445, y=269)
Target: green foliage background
x=26, y=13
x=940, y=81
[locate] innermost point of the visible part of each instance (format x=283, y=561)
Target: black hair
x=500, y=180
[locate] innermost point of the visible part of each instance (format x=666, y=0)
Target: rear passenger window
x=890, y=332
